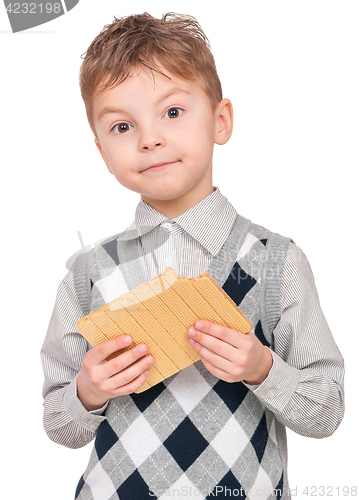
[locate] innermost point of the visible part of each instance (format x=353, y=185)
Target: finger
x=220, y=332
x=124, y=360
x=213, y=357
x=217, y=372
x=127, y=376
x=133, y=386
x=213, y=344
x=101, y=352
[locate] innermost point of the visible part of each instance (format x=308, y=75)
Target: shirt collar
x=209, y=222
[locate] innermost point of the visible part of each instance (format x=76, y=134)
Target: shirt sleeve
x=66, y=421
x=304, y=388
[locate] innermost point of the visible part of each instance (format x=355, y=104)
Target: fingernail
x=191, y=332
x=149, y=360
x=143, y=348
x=127, y=340
x=199, y=325
x=192, y=342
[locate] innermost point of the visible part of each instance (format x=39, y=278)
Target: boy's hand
x=100, y=379
x=230, y=355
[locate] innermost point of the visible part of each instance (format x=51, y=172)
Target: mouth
x=159, y=166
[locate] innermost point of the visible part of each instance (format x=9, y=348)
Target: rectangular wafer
x=159, y=313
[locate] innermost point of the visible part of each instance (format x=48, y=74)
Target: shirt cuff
x=277, y=389
x=75, y=409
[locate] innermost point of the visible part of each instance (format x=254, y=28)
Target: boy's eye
x=174, y=112
x=121, y=128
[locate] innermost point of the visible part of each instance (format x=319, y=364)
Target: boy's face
x=156, y=136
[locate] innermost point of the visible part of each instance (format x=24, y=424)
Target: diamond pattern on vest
x=238, y=284
x=160, y=444
x=192, y=433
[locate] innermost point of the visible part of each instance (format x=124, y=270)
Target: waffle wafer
x=159, y=313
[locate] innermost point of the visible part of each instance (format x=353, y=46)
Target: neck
x=175, y=207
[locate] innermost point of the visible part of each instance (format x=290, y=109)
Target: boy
x=216, y=429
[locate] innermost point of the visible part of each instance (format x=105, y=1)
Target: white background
x=291, y=71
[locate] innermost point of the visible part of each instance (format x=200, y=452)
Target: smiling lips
x=159, y=166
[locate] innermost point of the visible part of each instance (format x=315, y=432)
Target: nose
x=151, y=139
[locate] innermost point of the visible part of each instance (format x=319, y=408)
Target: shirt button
x=271, y=393
x=293, y=415
x=167, y=226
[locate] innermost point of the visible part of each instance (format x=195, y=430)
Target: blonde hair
x=175, y=42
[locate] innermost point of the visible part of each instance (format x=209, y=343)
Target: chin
x=164, y=194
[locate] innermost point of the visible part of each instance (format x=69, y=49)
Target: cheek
x=120, y=158
x=201, y=133
x=195, y=141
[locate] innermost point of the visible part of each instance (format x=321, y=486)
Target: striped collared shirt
x=188, y=242
x=304, y=386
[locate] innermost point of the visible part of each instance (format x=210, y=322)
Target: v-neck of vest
x=220, y=267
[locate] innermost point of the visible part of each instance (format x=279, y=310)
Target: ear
x=224, y=121
x=103, y=154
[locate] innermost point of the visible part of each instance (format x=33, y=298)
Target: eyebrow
x=108, y=109
x=175, y=90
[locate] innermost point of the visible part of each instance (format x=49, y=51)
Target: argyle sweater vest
x=192, y=435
